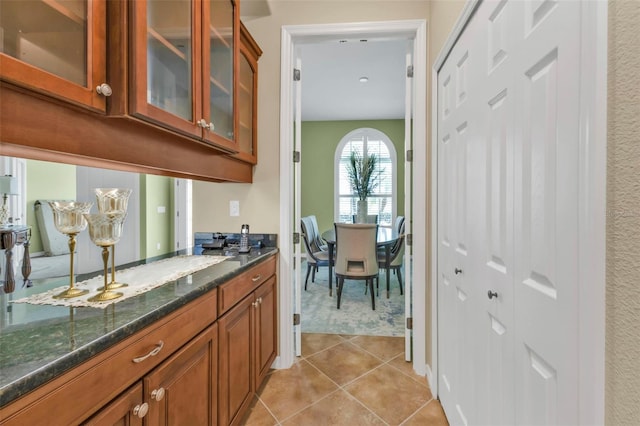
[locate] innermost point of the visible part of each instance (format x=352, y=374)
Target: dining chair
x=355, y=256
x=396, y=257
x=315, y=257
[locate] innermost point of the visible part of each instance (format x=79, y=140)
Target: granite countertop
x=40, y=342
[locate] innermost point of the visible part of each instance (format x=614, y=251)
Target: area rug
x=355, y=316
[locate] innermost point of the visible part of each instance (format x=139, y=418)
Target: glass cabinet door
x=246, y=105
x=55, y=46
x=169, y=63
x=165, y=80
x=219, y=101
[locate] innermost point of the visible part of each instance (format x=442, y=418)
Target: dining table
x=385, y=239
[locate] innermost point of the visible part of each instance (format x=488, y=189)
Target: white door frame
x=415, y=30
x=592, y=205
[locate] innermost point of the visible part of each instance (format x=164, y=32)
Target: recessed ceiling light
x=364, y=79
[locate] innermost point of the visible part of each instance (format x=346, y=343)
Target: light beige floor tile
x=407, y=368
x=431, y=414
x=344, y=362
x=313, y=342
x=289, y=391
x=383, y=347
x=339, y=408
x=258, y=415
x=392, y=396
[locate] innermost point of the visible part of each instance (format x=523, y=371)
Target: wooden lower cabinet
x=202, y=371
x=183, y=390
x=180, y=391
x=247, y=350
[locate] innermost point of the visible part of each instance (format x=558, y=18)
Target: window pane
x=381, y=202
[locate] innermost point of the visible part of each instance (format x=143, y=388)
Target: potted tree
x=364, y=178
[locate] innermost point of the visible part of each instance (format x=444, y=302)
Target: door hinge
x=409, y=155
x=296, y=156
x=410, y=71
x=409, y=238
x=409, y=323
x=296, y=74
x=296, y=319
x=296, y=238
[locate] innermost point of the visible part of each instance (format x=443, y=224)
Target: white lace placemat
x=140, y=278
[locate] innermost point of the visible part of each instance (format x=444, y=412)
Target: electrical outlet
x=158, y=246
x=162, y=209
x=234, y=208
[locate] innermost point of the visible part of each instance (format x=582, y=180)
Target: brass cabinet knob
x=104, y=89
x=157, y=394
x=141, y=410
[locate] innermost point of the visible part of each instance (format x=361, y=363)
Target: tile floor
x=346, y=380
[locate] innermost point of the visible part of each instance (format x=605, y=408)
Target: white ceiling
x=330, y=80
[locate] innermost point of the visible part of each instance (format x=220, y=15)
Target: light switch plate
x=234, y=208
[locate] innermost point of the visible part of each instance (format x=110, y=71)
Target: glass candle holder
x=105, y=230
x=68, y=218
x=113, y=200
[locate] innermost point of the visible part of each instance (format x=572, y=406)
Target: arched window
x=383, y=200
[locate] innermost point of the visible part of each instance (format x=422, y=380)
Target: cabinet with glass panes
x=183, y=63
x=56, y=47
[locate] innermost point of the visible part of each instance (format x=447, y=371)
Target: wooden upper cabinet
x=247, y=114
x=56, y=47
x=182, y=74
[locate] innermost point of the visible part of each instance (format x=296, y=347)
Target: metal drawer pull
x=141, y=410
x=154, y=352
x=256, y=278
x=157, y=394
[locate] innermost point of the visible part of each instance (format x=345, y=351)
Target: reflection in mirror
x=149, y=229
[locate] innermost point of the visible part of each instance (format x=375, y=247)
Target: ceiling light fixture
x=364, y=79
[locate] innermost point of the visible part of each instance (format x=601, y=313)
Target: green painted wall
x=156, y=228
x=319, y=142
x=47, y=181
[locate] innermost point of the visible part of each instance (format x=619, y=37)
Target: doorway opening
x=293, y=38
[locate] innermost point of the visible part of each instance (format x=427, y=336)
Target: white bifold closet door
x=508, y=174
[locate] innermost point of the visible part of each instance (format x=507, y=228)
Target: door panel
x=546, y=214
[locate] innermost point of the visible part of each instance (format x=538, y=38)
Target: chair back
x=356, y=250
x=317, y=242
x=371, y=218
x=308, y=231
x=398, y=223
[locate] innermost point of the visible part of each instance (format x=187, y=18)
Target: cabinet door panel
x=166, y=63
x=236, y=375
x=265, y=329
x=121, y=411
x=220, y=35
x=57, y=47
x=188, y=379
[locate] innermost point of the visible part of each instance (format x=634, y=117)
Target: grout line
x=416, y=412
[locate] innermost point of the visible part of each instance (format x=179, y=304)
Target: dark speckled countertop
x=40, y=342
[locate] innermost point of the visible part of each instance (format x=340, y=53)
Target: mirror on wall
x=149, y=229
